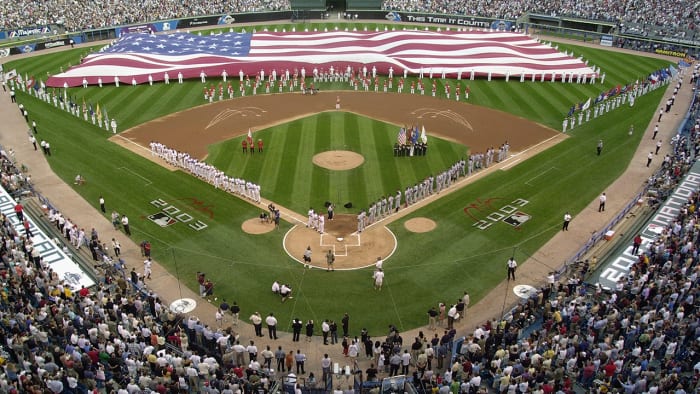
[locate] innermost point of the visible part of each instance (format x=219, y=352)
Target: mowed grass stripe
x=176, y=96
x=319, y=190
x=489, y=92
x=286, y=186
x=273, y=144
x=147, y=98
x=351, y=182
x=369, y=187
x=124, y=99
x=39, y=66
x=523, y=99
x=389, y=165
x=384, y=169
x=227, y=155
x=302, y=176
x=537, y=99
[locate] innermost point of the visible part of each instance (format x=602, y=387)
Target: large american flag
x=138, y=55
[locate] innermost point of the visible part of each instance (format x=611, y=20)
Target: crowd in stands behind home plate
x=83, y=15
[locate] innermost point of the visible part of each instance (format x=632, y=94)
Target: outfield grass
x=429, y=267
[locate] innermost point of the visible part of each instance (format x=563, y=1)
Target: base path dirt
x=420, y=225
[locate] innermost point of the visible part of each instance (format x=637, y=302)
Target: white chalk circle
x=183, y=305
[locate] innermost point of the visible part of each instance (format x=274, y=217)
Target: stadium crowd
x=84, y=15
x=679, y=19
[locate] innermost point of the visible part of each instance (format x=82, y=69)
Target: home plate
x=340, y=239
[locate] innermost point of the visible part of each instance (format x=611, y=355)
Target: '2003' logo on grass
x=508, y=213
x=170, y=214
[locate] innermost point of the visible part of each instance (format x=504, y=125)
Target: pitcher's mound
x=254, y=226
x=338, y=160
x=420, y=225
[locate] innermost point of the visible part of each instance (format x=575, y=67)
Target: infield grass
x=426, y=268
x=290, y=148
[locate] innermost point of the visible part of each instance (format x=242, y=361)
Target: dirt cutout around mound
x=255, y=226
x=338, y=160
x=351, y=250
x=420, y=225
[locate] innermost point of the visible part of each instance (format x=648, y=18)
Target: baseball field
x=432, y=252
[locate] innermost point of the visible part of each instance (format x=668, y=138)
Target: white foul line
x=539, y=175
x=148, y=181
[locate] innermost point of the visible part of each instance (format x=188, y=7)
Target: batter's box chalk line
x=344, y=250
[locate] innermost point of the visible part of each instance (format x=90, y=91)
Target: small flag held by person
x=402, y=136
x=586, y=105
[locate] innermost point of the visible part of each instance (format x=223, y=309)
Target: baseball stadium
x=199, y=181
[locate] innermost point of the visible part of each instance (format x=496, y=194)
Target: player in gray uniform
x=372, y=212
x=397, y=201
x=384, y=206
x=390, y=205
x=360, y=222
